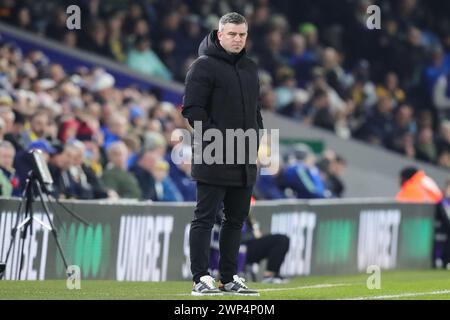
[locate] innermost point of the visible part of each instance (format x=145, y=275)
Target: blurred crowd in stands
x=101, y=141
x=319, y=65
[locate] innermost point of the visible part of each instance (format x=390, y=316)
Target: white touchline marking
x=316, y=286
x=393, y=296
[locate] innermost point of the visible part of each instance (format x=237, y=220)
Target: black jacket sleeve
x=199, y=85
x=258, y=111
x=99, y=192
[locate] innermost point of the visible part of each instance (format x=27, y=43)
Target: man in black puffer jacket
x=222, y=93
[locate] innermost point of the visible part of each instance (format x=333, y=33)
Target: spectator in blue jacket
x=302, y=176
x=180, y=173
x=165, y=189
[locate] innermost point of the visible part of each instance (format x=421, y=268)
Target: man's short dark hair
x=407, y=173
x=232, y=17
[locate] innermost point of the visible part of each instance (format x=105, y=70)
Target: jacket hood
x=210, y=46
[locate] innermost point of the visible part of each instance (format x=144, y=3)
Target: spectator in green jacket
x=8, y=181
x=116, y=176
x=142, y=58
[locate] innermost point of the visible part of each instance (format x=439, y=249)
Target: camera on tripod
x=39, y=183
x=40, y=169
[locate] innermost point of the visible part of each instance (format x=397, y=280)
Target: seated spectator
x=38, y=125
x=164, y=187
x=425, y=146
x=142, y=170
x=334, y=73
x=141, y=58
x=68, y=130
x=391, y=89
x=59, y=164
x=404, y=124
x=286, y=89
x=88, y=185
x=95, y=39
x=362, y=89
x=416, y=186
x=296, y=109
x=8, y=117
x=302, y=176
x=116, y=176
x=319, y=110
x=378, y=125
x=268, y=182
x=332, y=166
x=116, y=129
x=311, y=34
x=319, y=84
x=441, y=96
x=444, y=158
x=92, y=138
x=57, y=26
x=443, y=139
x=23, y=162
x=115, y=38
x=268, y=187
x=8, y=181
x=180, y=173
x=439, y=66
x=14, y=131
x=301, y=60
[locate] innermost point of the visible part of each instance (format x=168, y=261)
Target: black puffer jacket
x=222, y=91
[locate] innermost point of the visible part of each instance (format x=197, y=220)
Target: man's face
x=148, y=160
x=118, y=158
x=62, y=160
x=38, y=125
x=76, y=155
x=233, y=37
x=6, y=158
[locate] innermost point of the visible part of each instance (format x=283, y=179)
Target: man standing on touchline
x=222, y=92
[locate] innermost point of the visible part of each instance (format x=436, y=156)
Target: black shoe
x=237, y=287
x=206, y=287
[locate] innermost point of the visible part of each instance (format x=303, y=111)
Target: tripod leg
x=14, y=230
x=28, y=223
x=55, y=235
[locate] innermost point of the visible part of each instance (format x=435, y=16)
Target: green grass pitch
x=432, y=284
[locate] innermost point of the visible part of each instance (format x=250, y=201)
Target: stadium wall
x=136, y=241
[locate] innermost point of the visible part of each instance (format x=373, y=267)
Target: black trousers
x=273, y=247
x=236, y=205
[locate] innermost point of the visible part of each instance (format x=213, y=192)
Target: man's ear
x=219, y=35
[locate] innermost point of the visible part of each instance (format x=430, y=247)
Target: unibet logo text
x=378, y=238
x=299, y=227
x=34, y=247
x=143, y=248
